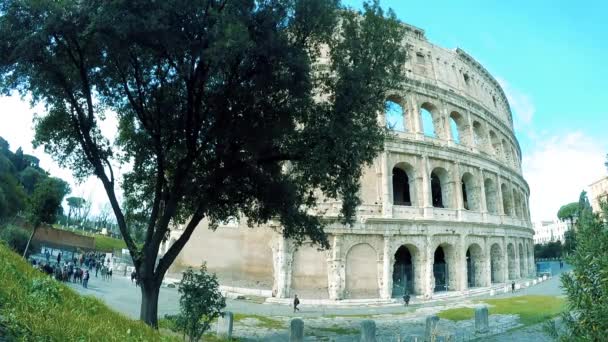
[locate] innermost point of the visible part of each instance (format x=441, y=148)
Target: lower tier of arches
x=359, y=266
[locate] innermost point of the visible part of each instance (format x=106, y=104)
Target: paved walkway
x=125, y=297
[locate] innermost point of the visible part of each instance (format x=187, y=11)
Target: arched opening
x=442, y=268
x=511, y=262
x=309, y=273
x=429, y=124
x=403, y=272
x=395, y=116
x=506, y=200
x=515, y=158
x=470, y=192
x=522, y=262
x=454, y=130
x=436, y=191
x=517, y=200
x=478, y=135
x=459, y=128
x=495, y=144
x=361, y=272
x=507, y=150
x=474, y=266
x=401, y=187
x=441, y=192
x=497, y=272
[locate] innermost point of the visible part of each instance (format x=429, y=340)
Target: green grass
x=531, y=309
x=108, y=244
x=265, y=322
x=36, y=308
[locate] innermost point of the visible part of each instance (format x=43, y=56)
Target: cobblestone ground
x=330, y=323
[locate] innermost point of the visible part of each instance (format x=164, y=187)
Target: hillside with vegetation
x=34, y=307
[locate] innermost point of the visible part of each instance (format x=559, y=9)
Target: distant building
x=550, y=231
x=598, y=191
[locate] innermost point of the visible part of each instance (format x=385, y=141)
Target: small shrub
x=200, y=303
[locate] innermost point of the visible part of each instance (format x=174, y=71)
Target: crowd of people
x=76, y=270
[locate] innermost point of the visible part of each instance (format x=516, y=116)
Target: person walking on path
x=513, y=286
x=47, y=255
x=406, y=299
x=59, y=258
x=85, y=279
x=296, y=302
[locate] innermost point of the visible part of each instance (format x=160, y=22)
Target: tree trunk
x=27, y=246
x=149, y=302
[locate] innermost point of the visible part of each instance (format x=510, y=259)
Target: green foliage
x=568, y=212
x=552, y=249
x=587, y=285
x=43, y=206
x=256, y=109
x=15, y=237
x=201, y=302
x=530, y=309
x=37, y=308
x=108, y=244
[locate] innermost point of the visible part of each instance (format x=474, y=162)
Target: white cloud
x=521, y=103
x=558, y=168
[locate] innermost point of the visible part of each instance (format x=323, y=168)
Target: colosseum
x=444, y=206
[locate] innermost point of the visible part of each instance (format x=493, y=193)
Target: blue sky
x=550, y=57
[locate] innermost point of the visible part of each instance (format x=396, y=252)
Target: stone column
x=501, y=206
x=416, y=117
x=459, y=202
x=427, y=198
x=531, y=258
x=505, y=259
x=487, y=265
x=483, y=206
x=387, y=201
x=336, y=270
x=472, y=144
x=461, y=264
x=447, y=127
x=513, y=209
x=282, y=256
x=386, y=290
x=428, y=280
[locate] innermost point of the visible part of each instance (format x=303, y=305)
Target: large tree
x=568, y=212
x=226, y=108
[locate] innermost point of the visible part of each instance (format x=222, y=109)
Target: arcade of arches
x=365, y=267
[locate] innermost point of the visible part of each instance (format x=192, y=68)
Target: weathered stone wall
x=239, y=255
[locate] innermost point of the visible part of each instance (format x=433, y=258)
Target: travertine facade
x=445, y=208
x=598, y=191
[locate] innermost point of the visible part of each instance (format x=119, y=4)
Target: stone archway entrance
x=441, y=270
x=403, y=273
x=496, y=264
x=474, y=266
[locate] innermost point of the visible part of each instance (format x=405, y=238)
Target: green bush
x=200, y=303
x=35, y=307
x=15, y=237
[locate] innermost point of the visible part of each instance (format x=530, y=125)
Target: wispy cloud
x=521, y=103
x=558, y=168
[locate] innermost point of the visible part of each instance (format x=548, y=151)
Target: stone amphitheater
x=444, y=207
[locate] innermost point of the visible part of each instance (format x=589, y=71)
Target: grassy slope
x=34, y=307
x=531, y=309
x=102, y=242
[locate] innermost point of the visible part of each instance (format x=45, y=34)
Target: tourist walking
x=296, y=302
x=85, y=279
x=513, y=286
x=59, y=258
x=406, y=299
x=47, y=255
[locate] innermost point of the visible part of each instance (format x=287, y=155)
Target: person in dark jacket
x=296, y=302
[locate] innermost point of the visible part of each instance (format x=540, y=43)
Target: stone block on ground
x=430, y=331
x=368, y=331
x=224, y=325
x=296, y=330
x=481, y=319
